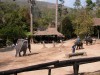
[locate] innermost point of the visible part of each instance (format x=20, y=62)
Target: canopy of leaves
x=77, y=3
x=67, y=28
x=83, y=23
x=14, y=22
x=98, y=13
x=90, y=4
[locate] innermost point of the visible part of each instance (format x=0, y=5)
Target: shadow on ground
x=32, y=54
x=7, y=49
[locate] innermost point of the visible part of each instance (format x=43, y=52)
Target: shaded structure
x=96, y=24
x=48, y=35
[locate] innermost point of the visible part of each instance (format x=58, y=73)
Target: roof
x=96, y=21
x=49, y=31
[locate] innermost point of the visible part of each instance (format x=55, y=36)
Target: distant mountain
x=38, y=3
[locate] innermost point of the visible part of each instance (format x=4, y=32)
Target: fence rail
x=54, y=64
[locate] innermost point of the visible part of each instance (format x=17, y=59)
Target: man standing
x=29, y=44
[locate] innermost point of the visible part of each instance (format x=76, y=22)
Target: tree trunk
x=31, y=23
x=56, y=16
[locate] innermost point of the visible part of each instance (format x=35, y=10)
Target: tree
x=98, y=13
x=98, y=3
x=77, y=3
x=14, y=21
x=83, y=23
x=62, y=13
x=60, y=7
x=90, y=5
x=67, y=27
x=47, y=17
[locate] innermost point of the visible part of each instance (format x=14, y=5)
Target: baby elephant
x=21, y=47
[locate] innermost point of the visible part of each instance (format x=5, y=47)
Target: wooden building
x=97, y=25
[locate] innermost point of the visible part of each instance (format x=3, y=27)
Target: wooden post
x=53, y=43
x=44, y=44
x=76, y=68
x=98, y=33
x=61, y=43
x=49, y=71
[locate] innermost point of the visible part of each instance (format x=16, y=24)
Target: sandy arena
x=50, y=53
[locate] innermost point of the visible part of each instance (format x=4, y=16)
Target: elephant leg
x=16, y=54
x=24, y=52
x=19, y=54
x=17, y=51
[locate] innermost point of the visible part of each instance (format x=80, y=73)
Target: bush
x=8, y=43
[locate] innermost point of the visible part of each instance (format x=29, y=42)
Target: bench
x=77, y=54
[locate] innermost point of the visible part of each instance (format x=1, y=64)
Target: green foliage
x=83, y=23
x=98, y=13
x=67, y=27
x=8, y=42
x=47, y=16
x=90, y=5
x=98, y=3
x=77, y=3
x=11, y=32
x=60, y=7
x=13, y=21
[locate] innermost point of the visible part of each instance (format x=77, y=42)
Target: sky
x=68, y=3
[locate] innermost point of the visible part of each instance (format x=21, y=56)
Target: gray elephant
x=21, y=47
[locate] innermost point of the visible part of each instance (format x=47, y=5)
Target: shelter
x=96, y=22
x=49, y=31
x=50, y=34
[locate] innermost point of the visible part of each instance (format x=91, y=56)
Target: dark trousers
x=73, y=50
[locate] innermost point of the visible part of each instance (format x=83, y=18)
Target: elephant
x=88, y=40
x=79, y=45
x=21, y=47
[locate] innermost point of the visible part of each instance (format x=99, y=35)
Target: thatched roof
x=49, y=31
x=96, y=21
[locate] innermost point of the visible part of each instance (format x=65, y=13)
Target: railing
x=54, y=64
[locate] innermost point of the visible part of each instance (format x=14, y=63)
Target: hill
x=38, y=3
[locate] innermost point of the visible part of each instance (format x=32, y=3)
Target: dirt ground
x=40, y=55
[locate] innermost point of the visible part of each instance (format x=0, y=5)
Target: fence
x=54, y=64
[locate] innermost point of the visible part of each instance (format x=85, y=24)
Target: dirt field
x=50, y=53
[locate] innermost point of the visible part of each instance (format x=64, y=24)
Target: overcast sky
x=68, y=3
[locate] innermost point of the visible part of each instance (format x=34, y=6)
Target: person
x=73, y=48
x=29, y=44
x=78, y=39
